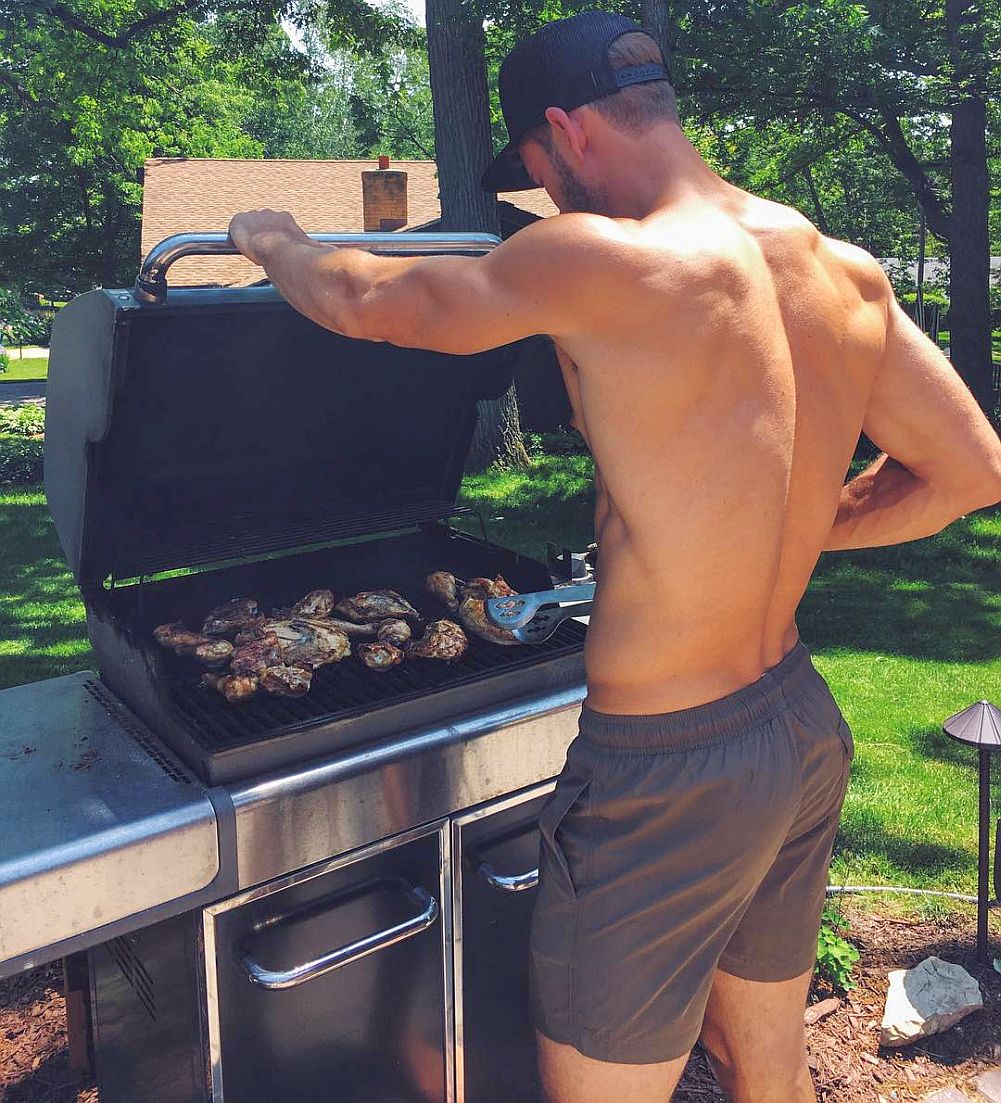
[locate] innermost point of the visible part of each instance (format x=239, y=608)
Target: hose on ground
x=834, y=890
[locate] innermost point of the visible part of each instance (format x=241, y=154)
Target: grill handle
x=151, y=283
x=518, y=882
x=279, y=979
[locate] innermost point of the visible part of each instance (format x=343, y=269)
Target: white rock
x=927, y=999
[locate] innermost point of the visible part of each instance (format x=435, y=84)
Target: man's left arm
x=528, y=285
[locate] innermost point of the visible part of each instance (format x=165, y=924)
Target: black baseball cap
x=565, y=64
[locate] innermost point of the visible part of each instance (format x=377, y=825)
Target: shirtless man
x=722, y=358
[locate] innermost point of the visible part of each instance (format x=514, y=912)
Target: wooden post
x=76, y=987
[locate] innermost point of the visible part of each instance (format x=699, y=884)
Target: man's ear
x=569, y=135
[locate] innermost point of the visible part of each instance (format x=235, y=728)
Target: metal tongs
x=533, y=618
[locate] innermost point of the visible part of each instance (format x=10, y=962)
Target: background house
x=185, y=194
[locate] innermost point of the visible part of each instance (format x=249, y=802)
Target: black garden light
x=980, y=726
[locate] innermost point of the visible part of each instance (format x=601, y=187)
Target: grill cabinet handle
x=151, y=283
x=518, y=882
x=278, y=979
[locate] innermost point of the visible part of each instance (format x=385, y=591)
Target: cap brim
x=506, y=172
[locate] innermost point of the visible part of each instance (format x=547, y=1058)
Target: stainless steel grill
x=337, y=898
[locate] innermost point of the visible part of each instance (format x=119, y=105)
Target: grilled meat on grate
x=234, y=687
x=380, y=655
x=213, y=653
x=278, y=653
x=444, y=586
x=372, y=605
x=255, y=655
x=207, y=650
x=473, y=609
x=317, y=603
x=444, y=639
x=286, y=681
x=227, y=619
x=309, y=643
x=394, y=631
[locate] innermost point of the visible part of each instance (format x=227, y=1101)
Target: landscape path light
x=980, y=727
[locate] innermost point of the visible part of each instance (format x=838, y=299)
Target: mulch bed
x=849, y=1066
x=34, y=1050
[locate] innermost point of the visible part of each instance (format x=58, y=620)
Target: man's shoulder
x=857, y=265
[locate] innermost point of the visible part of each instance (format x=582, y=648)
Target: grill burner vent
x=133, y=970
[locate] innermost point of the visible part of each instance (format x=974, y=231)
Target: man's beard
x=575, y=195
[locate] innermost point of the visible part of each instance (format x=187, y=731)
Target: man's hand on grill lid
x=255, y=233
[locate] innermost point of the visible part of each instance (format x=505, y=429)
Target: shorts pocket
x=569, y=796
x=845, y=734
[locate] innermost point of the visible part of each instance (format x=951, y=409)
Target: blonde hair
x=638, y=105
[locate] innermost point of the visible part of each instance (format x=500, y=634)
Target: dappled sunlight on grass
x=42, y=623
x=552, y=501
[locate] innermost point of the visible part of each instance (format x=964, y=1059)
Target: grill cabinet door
x=495, y=862
x=373, y=1028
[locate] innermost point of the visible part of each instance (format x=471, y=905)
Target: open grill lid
x=223, y=424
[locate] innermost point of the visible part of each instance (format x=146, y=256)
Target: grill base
x=349, y=704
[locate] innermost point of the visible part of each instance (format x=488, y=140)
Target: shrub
x=836, y=956
x=4, y=361
x=20, y=460
x=560, y=442
x=23, y=421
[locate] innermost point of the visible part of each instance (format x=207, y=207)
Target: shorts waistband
x=738, y=712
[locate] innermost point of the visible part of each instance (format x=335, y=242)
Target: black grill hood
x=224, y=424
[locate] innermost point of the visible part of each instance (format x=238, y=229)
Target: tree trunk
x=656, y=21
x=458, y=72
x=969, y=251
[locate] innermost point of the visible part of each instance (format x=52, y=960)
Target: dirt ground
x=848, y=1065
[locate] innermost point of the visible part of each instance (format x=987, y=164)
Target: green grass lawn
x=28, y=370
x=906, y=636
x=943, y=339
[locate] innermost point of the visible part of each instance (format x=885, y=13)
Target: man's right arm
x=941, y=457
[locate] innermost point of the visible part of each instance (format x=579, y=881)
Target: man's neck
x=658, y=170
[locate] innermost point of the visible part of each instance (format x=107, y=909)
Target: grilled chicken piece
x=234, y=687
x=380, y=655
x=254, y=629
x=309, y=643
x=394, y=631
x=213, y=653
x=444, y=639
x=482, y=588
x=349, y=628
x=227, y=619
x=473, y=610
x=176, y=637
x=286, y=681
x=256, y=655
x=376, y=605
x=207, y=650
x=444, y=586
x=317, y=603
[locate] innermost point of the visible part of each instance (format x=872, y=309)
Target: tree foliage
x=90, y=89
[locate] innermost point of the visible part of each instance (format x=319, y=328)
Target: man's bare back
x=721, y=458
x=721, y=357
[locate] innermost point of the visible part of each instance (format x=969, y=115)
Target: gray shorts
x=680, y=843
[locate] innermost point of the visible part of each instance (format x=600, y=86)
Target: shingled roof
x=185, y=194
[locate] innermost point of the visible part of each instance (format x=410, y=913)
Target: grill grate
x=344, y=690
